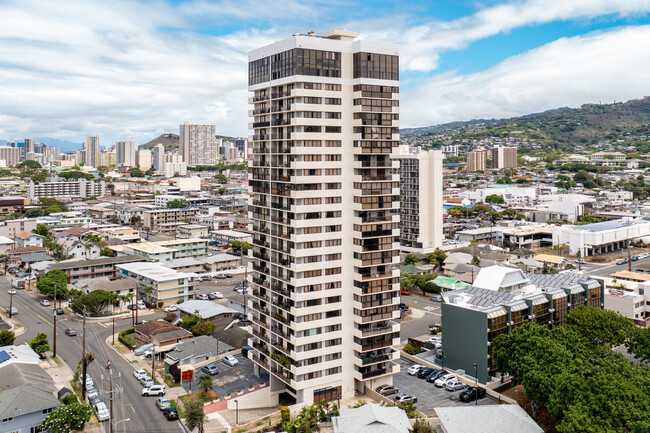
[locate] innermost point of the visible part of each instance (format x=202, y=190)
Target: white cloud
x=600, y=66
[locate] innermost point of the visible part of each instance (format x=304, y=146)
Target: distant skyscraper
x=91, y=148
x=504, y=157
x=106, y=158
x=143, y=159
x=476, y=161
x=159, y=157
x=125, y=152
x=420, y=194
x=11, y=155
x=29, y=145
x=325, y=291
x=198, y=144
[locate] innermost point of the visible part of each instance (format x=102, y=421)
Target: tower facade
x=325, y=291
x=125, y=152
x=198, y=144
x=91, y=149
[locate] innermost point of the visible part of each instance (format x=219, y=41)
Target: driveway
x=429, y=396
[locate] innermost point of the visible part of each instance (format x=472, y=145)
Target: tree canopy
x=178, y=204
x=67, y=418
x=7, y=337
x=29, y=164
x=46, y=284
x=39, y=344
x=585, y=385
x=411, y=259
x=94, y=302
x=494, y=198
x=194, y=415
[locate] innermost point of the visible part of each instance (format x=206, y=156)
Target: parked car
x=140, y=373
x=140, y=350
x=471, y=393
x=230, y=360
x=442, y=380
x=94, y=400
x=210, y=369
x=45, y=303
x=403, y=306
x=454, y=385
x=12, y=291
x=228, y=275
x=386, y=390
x=621, y=262
x=424, y=372
x=14, y=310
x=436, y=298
x=146, y=381
x=221, y=276
x=435, y=374
x=92, y=392
x=12, y=270
x=435, y=340
x=58, y=311
x=163, y=403
x=170, y=413
x=71, y=332
x=142, y=305
x=205, y=278
x=413, y=370
x=89, y=381
x=217, y=295
x=102, y=411
x=580, y=261
x=171, y=308
x=405, y=398
x=153, y=390
x=203, y=297
x=635, y=258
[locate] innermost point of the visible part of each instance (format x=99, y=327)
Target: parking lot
x=231, y=379
x=429, y=396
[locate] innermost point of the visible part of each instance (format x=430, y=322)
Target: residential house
x=80, y=247
x=160, y=333
x=501, y=418
x=27, y=239
x=196, y=352
x=371, y=418
x=23, y=408
x=119, y=286
x=193, y=231
x=207, y=310
x=221, y=262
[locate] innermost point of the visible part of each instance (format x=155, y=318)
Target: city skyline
x=461, y=60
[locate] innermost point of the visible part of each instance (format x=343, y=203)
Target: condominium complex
x=10, y=155
x=325, y=289
x=198, y=144
x=143, y=159
x=476, y=161
x=57, y=187
x=504, y=157
x=126, y=152
x=162, y=219
x=420, y=186
x=157, y=283
x=91, y=149
x=158, y=157
x=106, y=158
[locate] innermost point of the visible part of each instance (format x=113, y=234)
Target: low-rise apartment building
x=151, y=250
x=154, y=220
x=102, y=267
x=193, y=231
x=123, y=234
x=159, y=284
x=57, y=187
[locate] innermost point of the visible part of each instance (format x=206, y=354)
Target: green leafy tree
x=422, y=426
x=221, y=178
x=203, y=328
x=29, y=164
x=639, y=343
x=46, y=284
x=7, y=337
x=67, y=418
x=600, y=326
x=42, y=229
x=222, y=191
x=136, y=172
x=194, y=416
x=205, y=383
x=34, y=212
x=494, y=198
x=188, y=322
x=135, y=220
x=94, y=302
x=39, y=344
x=411, y=259
x=437, y=258
x=178, y=204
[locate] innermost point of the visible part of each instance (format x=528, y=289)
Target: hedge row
x=126, y=339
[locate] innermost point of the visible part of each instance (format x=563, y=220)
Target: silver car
x=163, y=403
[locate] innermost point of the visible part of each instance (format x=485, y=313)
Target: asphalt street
x=142, y=412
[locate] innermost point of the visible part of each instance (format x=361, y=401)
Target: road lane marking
x=101, y=324
x=44, y=319
x=132, y=408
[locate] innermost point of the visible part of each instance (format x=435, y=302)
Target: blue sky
x=130, y=70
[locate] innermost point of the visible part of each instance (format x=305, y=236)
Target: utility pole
x=83, y=360
x=629, y=259
x=55, y=284
x=136, y=306
x=113, y=328
x=153, y=362
x=110, y=409
x=11, y=298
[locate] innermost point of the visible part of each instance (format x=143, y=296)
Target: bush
x=160, y=304
x=70, y=399
x=126, y=339
x=410, y=349
x=285, y=413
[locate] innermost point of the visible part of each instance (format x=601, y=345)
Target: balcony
x=380, y=329
x=263, y=363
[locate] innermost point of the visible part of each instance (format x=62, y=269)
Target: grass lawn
x=181, y=414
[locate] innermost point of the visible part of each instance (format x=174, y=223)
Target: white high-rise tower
x=325, y=205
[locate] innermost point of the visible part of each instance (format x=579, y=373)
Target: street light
x=122, y=420
x=236, y=412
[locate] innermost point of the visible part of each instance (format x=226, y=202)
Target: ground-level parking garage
x=429, y=396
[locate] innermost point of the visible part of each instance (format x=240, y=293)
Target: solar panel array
x=486, y=298
x=556, y=281
x=4, y=356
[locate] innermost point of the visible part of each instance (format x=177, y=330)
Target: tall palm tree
x=205, y=383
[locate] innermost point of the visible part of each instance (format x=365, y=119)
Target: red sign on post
x=186, y=375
